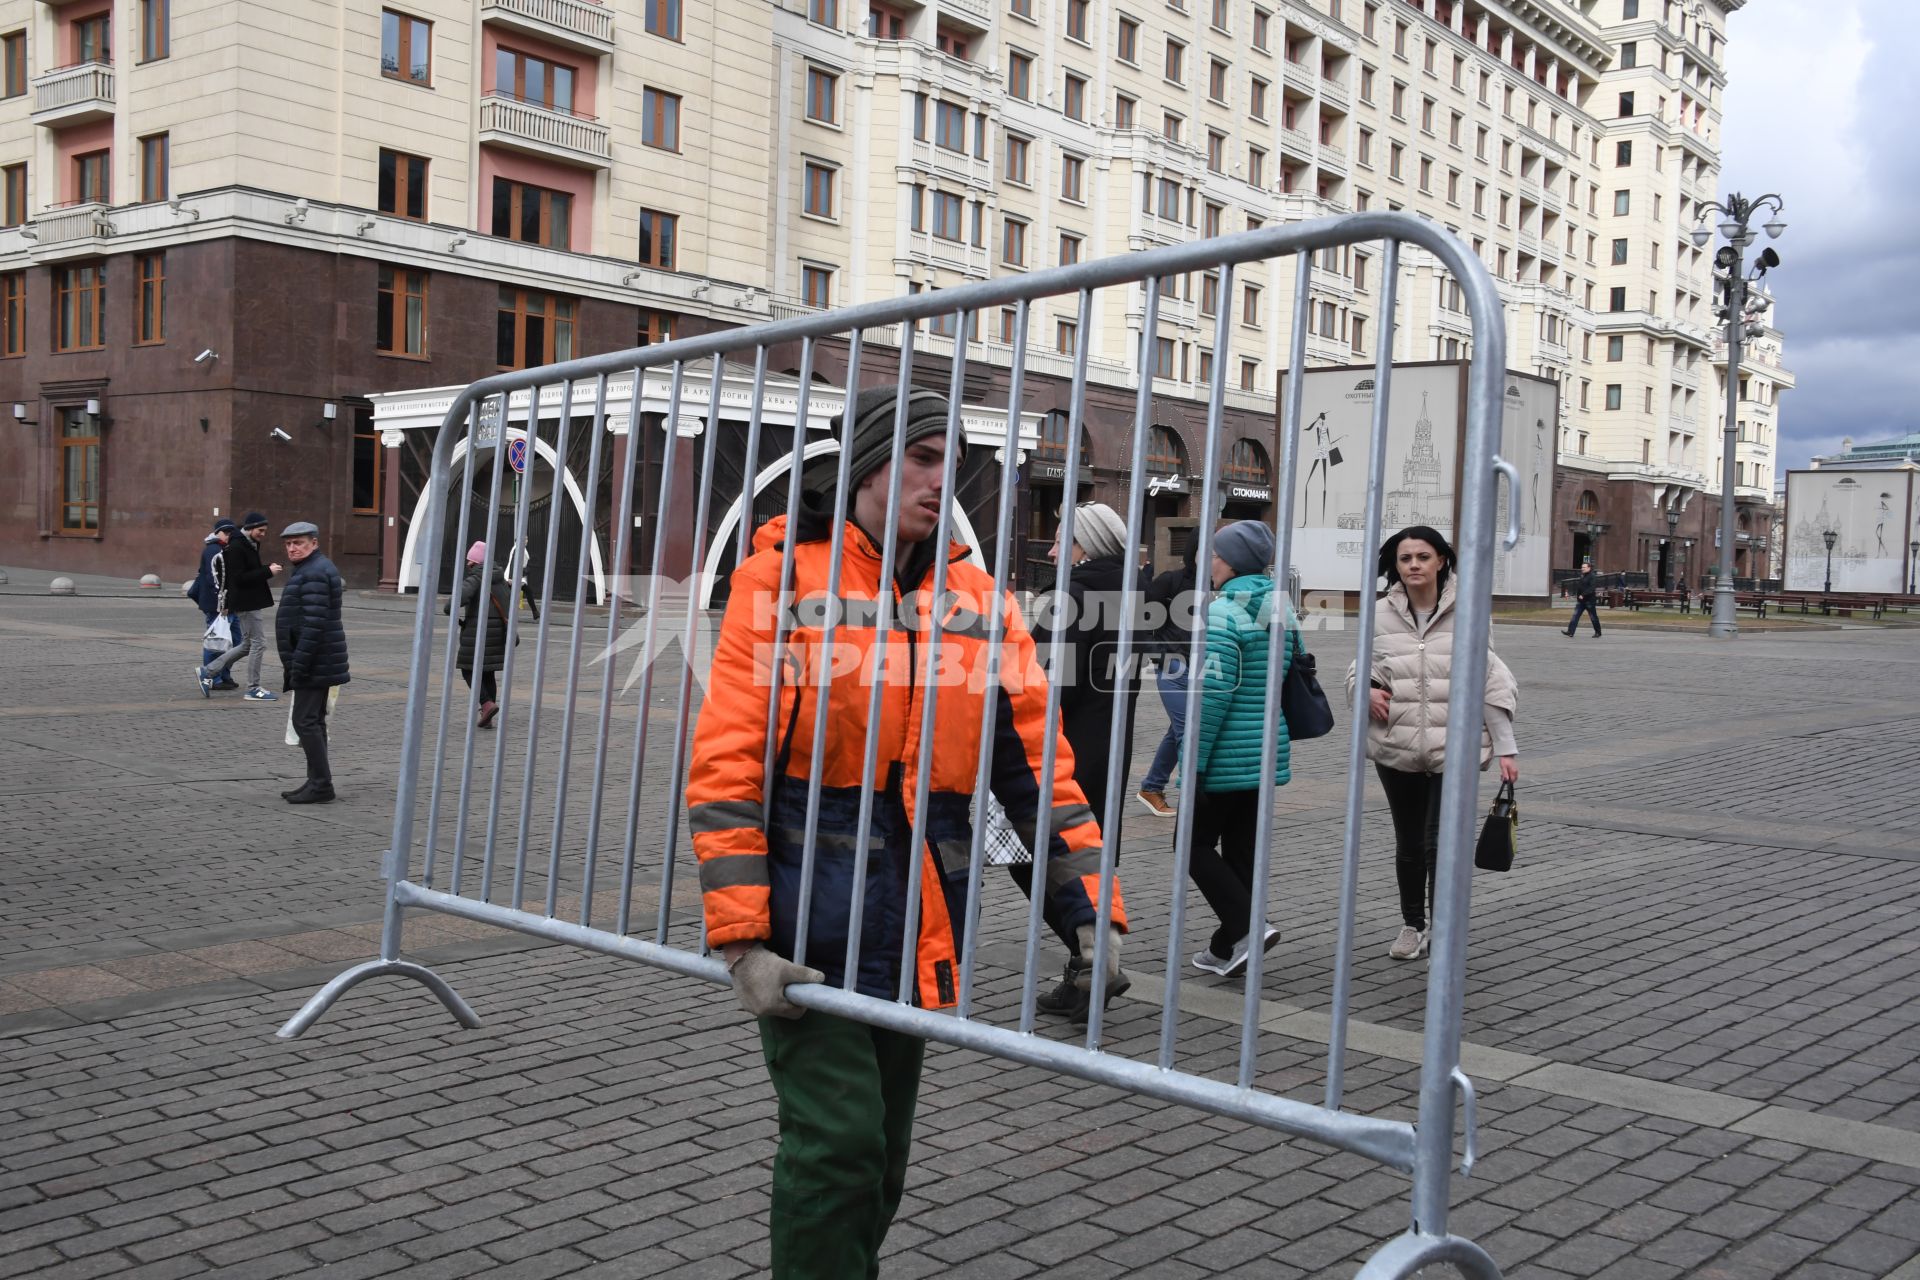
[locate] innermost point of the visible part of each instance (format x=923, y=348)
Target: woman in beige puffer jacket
x=1407, y=701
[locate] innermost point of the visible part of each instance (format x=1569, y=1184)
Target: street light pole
x=1913, y=560
x=1829, y=537
x=1737, y=212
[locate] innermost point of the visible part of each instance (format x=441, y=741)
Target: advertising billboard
x=1873, y=517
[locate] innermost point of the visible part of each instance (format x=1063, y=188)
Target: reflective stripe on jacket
x=750, y=844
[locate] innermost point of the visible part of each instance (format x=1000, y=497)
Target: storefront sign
x=1249, y=493
x=1048, y=471
x=1160, y=484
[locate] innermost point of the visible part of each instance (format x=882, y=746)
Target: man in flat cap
x=313, y=652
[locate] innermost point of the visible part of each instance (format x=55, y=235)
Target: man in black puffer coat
x=313, y=651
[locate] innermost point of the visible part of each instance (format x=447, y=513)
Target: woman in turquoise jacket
x=1229, y=700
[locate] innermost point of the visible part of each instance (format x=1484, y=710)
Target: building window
x=1217, y=80
x=816, y=286
x=1074, y=107
x=1072, y=178
x=819, y=192
x=154, y=163
x=663, y=18
x=950, y=127
x=533, y=215
x=79, y=472
x=1176, y=61
x=79, y=306
x=1250, y=306
x=1257, y=98
x=150, y=298
x=1020, y=77
x=1249, y=375
x=1622, y=201
x=1626, y=104
x=948, y=215
x=1617, y=298
x=655, y=327
x=13, y=51
x=1620, y=253
x=366, y=464
x=1261, y=21
x=1013, y=242
x=93, y=39
x=885, y=24
x=1127, y=42
x=1170, y=127
x=952, y=42
x=1077, y=20
x=660, y=119
x=1616, y=348
x=537, y=80
x=1163, y=366
x=1066, y=334
x=400, y=325
x=154, y=28
x=1613, y=395
x=1629, y=55
x=13, y=313
x=823, y=96
x=1219, y=19
x=403, y=185
x=1256, y=167
x=1122, y=111
x=659, y=238
x=824, y=12
x=16, y=195
x=1069, y=249
x=1018, y=149
x=534, y=329
x=1623, y=153
x=406, y=46
x=1216, y=151
x=93, y=177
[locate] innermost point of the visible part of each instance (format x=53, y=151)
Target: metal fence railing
x=579, y=837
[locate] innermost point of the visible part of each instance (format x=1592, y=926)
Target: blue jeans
x=1173, y=696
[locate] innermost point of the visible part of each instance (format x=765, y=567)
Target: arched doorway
x=1044, y=490
x=1167, y=484
x=1247, y=481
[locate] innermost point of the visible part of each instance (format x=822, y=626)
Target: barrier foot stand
x=323, y=999
x=1404, y=1256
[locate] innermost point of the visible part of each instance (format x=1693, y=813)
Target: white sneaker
x=1410, y=945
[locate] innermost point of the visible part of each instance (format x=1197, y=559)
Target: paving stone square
x=1693, y=1011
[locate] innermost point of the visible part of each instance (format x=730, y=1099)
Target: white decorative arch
x=456, y=467
x=963, y=529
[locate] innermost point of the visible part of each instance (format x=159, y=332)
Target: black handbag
x=1501, y=834
x=1302, y=702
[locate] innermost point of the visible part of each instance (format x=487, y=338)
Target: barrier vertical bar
x=936, y=614
x=478, y=657
x=1056, y=651
x=540, y=648
x=998, y=605
x=833, y=608
x=430, y=585
x=1277, y=629
x=1363, y=663
x=576, y=636
x=676, y=781
x=796, y=466
x=530, y=460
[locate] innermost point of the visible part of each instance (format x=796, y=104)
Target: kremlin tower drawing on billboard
x=1419, y=499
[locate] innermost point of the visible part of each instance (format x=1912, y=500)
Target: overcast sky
x=1821, y=102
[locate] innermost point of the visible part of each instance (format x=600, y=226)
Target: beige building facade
x=442, y=188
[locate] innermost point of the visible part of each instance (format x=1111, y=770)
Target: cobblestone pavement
x=1692, y=1012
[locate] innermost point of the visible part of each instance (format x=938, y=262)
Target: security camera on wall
x=205, y=356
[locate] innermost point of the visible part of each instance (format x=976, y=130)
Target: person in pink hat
x=492, y=599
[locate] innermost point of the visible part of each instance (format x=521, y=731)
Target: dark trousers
x=1095, y=789
x=489, y=688
x=1591, y=610
x=310, y=726
x=1221, y=864
x=847, y=1093
x=1414, y=800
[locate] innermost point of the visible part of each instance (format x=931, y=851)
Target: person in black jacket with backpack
x=244, y=596
x=313, y=652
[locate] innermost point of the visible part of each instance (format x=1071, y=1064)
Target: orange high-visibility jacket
x=750, y=843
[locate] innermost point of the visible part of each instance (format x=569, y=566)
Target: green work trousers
x=847, y=1093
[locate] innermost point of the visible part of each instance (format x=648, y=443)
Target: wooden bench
x=1850, y=605
x=1642, y=596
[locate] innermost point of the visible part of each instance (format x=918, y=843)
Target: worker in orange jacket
x=847, y=1090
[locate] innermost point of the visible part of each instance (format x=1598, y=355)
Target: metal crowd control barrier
x=424, y=874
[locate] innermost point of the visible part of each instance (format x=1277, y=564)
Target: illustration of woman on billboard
x=1326, y=457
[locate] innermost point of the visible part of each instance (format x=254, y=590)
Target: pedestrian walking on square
x=847, y=1090
x=313, y=652
x=244, y=596
x=1090, y=620
x=1228, y=695
x=1411, y=672
x=1586, y=595
x=205, y=592
x=1170, y=596
x=498, y=595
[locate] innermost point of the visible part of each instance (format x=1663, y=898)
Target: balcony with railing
x=544, y=131
x=70, y=221
x=73, y=95
x=578, y=24
x=1295, y=142
x=1333, y=156
x=1334, y=92
x=1300, y=76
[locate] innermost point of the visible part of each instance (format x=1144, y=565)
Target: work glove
x=760, y=981
x=1084, y=979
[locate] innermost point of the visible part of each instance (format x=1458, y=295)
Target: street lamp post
x=1666, y=552
x=1829, y=537
x=1913, y=559
x=1735, y=216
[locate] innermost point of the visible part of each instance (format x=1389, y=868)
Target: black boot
x=312, y=793
x=1067, y=997
x=1115, y=989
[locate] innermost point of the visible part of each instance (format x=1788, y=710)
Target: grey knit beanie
x=1246, y=546
x=872, y=432
x=1099, y=530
